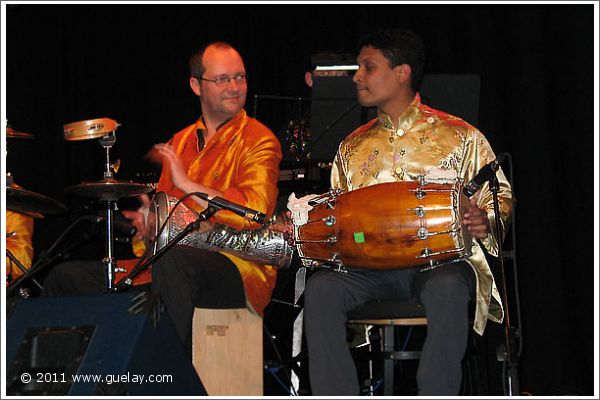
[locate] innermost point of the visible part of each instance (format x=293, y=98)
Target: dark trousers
x=444, y=292
x=185, y=277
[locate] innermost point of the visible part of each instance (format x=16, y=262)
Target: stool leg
x=388, y=363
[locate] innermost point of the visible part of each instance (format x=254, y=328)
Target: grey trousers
x=444, y=293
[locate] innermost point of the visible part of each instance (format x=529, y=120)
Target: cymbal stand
x=109, y=262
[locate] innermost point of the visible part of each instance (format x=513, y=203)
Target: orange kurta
x=242, y=161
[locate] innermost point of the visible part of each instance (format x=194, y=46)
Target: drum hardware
x=90, y=129
x=328, y=198
x=422, y=233
x=13, y=134
x=31, y=203
x=329, y=220
x=108, y=190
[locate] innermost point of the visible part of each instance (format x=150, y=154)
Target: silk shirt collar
x=236, y=119
x=406, y=119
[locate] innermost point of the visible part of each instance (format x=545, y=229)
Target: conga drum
x=386, y=226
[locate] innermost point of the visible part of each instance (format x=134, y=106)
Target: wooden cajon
x=227, y=351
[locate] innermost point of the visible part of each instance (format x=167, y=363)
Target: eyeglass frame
x=225, y=79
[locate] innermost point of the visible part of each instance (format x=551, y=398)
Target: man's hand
x=283, y=224
x=476, y=221
x=166, y=155
x=138, y=218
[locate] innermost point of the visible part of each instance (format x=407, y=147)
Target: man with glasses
x=224, y=153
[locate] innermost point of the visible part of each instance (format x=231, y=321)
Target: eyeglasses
x=224, y=80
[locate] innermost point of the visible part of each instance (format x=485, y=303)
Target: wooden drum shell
x=378, y=227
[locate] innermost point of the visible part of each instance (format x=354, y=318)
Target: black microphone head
x=501, y=157
x=260, y=218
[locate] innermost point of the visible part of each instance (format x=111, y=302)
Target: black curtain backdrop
x=67, y=63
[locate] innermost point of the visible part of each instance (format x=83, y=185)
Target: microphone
x=222, y=204
x=485, y=174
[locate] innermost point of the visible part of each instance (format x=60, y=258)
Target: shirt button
x=430, y=120
x=400, y=132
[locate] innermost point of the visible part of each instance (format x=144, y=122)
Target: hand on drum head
x=283, y=224
x=138, y=218
x=476, y=220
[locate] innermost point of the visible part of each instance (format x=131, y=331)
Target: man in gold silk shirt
x=408, y=139
x=224, y=153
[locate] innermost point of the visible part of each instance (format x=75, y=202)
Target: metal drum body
x=386, y=226
x=262, y=246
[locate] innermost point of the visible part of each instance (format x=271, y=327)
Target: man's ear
x=195, y=85
x=403, y=72
x=308, y=79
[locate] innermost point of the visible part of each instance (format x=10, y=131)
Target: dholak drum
x=386, y=226
x=262, y=246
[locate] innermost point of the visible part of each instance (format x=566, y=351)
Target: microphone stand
x=127, y=281
x=14, y=259
x=45, y=260
x=506, y=351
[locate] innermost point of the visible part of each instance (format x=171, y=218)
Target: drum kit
x=108, y=190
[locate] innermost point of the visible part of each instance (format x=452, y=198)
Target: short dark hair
x=195, y=63
x=400, y=46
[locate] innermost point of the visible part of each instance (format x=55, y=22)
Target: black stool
x=389, y=314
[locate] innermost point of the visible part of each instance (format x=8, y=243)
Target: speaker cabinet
x=95, y=345
x=336, y=112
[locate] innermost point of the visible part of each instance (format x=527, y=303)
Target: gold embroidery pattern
x=366, y=167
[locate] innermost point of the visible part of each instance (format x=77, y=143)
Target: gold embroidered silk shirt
x=428, y=142
x=242, y=161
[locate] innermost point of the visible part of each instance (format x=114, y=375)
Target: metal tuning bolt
x=329, y=220
x=426, y=252
x=422, y=233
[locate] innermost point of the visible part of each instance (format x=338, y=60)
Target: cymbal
x=26, y=202
x=11, y=133
x=90, y=129
x=108, y=189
